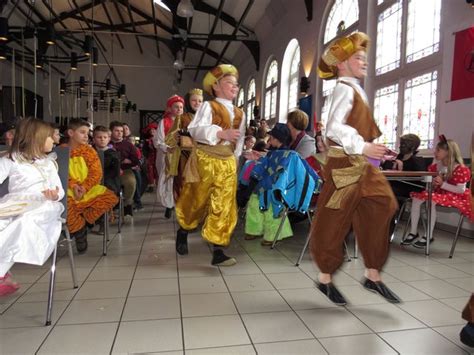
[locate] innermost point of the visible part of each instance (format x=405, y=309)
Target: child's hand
x=398, y=164
x=52, y=195
x=437, y=181
x=374, y=151
x=78, y=191
x=126, y=161
x=231, y=135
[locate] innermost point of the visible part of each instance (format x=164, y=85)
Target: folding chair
x=63, y=171
x=105, y=238
x=63, y=163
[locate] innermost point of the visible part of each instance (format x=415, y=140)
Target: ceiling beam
x=80, y=10
x=133, y=25
x=155, y=28
x=208, y=9
x=213, y=28
x=236, y=29
x=112, y=25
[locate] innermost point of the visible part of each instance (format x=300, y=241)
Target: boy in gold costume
x=209, y=192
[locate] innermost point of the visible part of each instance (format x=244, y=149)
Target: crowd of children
x=206, y=163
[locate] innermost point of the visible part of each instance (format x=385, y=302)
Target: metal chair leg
x=120, y=219
x=106, y=233
x=280, y=227
x=52, y=279
x=458, y=231
x=397, y=219
x=306, y=243
x=346, y=250
x=71, y=256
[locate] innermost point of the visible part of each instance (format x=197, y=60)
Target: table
x=424, y=176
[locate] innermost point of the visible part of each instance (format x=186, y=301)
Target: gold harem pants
x=211, y=200
x=355, y=194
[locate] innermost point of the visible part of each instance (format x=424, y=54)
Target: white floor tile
x=267, y=327
x=151, y=307
x=148, y=336
x=357, y=344
x=215, y=331
x=294, y=347
x=433, y=313
x=420, y=341
x=330, y=322
x=93, y=311
x=80, y=339
x=259, y=301
x=207, y=304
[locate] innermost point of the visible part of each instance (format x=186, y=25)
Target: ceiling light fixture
x=185, y=9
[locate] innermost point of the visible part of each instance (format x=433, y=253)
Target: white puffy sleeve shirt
x=341, y=105
x=203, y=131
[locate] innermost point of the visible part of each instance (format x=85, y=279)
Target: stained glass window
x=250, y=99
x=271, y=86
x=386, y=114
x=293, y=80
x=420, y=107
x=240, y=98
x=422, y=28
x=342, y=10
x=389, y=28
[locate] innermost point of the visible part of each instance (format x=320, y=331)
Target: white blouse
x=341, y=105
x=203, y=131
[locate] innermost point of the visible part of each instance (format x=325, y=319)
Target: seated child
x=280, y=178
x=449, y=189
x=406, y=160
x=87, y=199
x=30, y=213
x=111, y=159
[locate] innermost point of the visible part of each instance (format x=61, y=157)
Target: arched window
x=407, y=104
x=289, y=89
x=241, y=98
x=294, y=80
x=250, y=99
x=271, y=88
x=343, y=15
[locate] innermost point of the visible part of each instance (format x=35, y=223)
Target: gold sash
x=345, y=179
x=219, y=151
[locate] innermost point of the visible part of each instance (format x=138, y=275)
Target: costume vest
x=361, y=117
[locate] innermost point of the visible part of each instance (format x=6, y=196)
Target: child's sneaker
x=7, y=285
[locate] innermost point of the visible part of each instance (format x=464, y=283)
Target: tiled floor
x=142, y=298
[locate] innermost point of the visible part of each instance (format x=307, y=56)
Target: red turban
x=173, y=99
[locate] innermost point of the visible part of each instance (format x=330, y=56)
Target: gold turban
x=217, y=73
x=340, y=50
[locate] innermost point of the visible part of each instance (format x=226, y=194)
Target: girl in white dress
x=30, y=212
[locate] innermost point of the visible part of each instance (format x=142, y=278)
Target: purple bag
x=374, y=162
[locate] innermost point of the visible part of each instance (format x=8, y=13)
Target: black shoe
x=331, y=292
x=467, y=335
x=421, y=243
x=220, y=259
x=182, y=242
x=81, y=240
x=380, y=288
x=409, y=239
x=168, y=212
x=128, y=210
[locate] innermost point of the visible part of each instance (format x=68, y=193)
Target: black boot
x=168, y=212
x=128, y=210
x=81, y=240
x=182, y=242
x=220, y=259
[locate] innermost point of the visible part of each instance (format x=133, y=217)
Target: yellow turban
x=217, y=73
x=340, y=50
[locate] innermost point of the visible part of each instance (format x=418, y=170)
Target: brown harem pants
x=468, y=311
x=368, y=208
